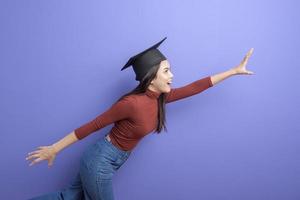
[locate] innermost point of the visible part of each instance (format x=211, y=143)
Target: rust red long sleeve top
x=135, y=116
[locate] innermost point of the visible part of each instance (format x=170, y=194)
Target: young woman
x=134, y=115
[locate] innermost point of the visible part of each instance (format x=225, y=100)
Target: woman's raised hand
x=43, y=153
x=241, y=68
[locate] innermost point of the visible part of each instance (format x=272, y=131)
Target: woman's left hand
x=241, y=68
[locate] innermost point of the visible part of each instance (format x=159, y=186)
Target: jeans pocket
x=120, y=161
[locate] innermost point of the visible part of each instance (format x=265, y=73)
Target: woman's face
x=162, y=82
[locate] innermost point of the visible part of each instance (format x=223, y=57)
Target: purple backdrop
x=60, y=67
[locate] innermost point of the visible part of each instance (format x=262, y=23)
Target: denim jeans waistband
x=117, y=149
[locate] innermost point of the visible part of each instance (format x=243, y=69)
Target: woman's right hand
x=43, y=153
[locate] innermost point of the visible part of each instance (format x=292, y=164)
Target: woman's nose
x=171, y=75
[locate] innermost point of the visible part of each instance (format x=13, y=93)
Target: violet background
x=60, y=67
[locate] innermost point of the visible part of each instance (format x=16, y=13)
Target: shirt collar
x=152, y=94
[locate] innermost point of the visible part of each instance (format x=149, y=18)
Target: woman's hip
x=103, y=158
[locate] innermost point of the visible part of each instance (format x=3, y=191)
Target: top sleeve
x=120, y=110
x=189, y=90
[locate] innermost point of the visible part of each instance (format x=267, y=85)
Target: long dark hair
x=142, y=87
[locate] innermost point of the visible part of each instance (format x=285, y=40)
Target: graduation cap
x=145, y=60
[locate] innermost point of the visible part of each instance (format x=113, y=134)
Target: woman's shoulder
x=133, y=98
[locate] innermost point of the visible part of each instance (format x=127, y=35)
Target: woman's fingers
x=241, y=68
x=34, y=152
x=37, y=151
x=33, y=156
x=50, y=163
x=36, y=161
x=43, y=153
x=245, y=60
x=250, y=72
x=249, y=53
x=39, y=158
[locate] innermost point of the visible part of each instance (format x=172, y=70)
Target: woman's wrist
x=55, y=148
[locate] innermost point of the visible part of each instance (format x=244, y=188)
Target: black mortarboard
x=145, y=60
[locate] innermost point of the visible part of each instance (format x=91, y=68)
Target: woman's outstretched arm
x=240, y=69
x=49, y=152
x=200, y=85
x=120, y=110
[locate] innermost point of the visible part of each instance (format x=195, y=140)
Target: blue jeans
x=98, y=164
